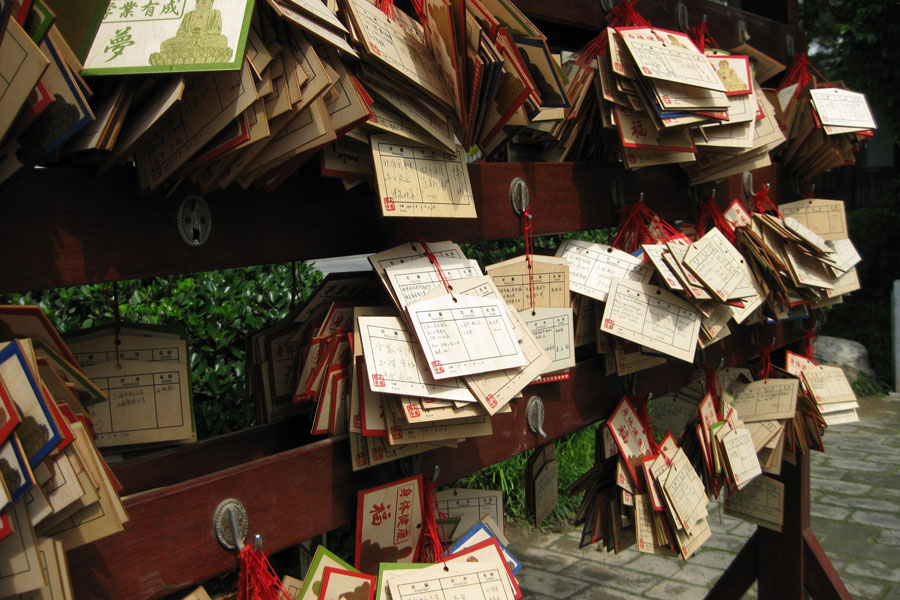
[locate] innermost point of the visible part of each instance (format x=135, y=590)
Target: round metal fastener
x=518, y=195
x=222, y=521
x=194, y=221
x=742, y=33
x=747, y=182
x=534, y=414
x=681, y=16
x=617, y=192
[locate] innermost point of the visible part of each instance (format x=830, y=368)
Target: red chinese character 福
x=380, y=513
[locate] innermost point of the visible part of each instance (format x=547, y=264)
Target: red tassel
x=701, y=37
x=622, y=15
x=431, y=550
x=257, y=579
x=640, y=225
x=799, y=73
x=809, y=337
x=712, y=388
x=762, y=203
x=710, y=212
x=387, y=7
x=765, y=361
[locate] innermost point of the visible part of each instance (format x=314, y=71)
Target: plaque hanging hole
x=534, y=415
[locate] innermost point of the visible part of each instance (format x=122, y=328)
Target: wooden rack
x=63, y=226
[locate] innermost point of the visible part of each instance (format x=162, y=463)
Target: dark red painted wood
x=820, y=577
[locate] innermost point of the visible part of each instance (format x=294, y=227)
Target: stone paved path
x=855, y=489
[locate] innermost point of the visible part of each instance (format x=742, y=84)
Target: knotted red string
x=633, y=230
x=623, y=15
x=662, y=232
x=387, y=7
x=257, y=579
x=529, y=252
x=434, y=261
x=701, y=37
x=710, y=211
x=640, y=225
x=765, y=360
x=419, y=7
x=809, y=337
x=712, y=388
x=432, y=550
x=762, y=203
x=799, y=73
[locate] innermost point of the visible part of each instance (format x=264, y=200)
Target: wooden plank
x=780, y=557
x=75, y=229
x=296, y=494
x=820, y=577
x=208, y=456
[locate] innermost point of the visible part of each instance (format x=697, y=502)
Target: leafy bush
x=574, y=456
x=217, y=311
x=865, y=315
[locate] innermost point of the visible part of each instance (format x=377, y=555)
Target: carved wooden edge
x=294, y=495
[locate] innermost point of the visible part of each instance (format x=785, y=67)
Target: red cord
x=765, y=361
x=529, y=253
x=434, y=261
x=387, y=7
x=710, y=211
x=257, y=579
x=700, y=35
x=799, y=73
x=712, y=388
x=432, y=550
x=623, y=15
x=762, y=203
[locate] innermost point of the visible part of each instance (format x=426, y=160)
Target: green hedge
x=865, y=315
x=217, y=311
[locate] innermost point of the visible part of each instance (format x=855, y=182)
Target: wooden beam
x=74, y=229
x=781, y=554
x=820, y=578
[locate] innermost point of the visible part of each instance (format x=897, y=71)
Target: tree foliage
x=856, y=42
